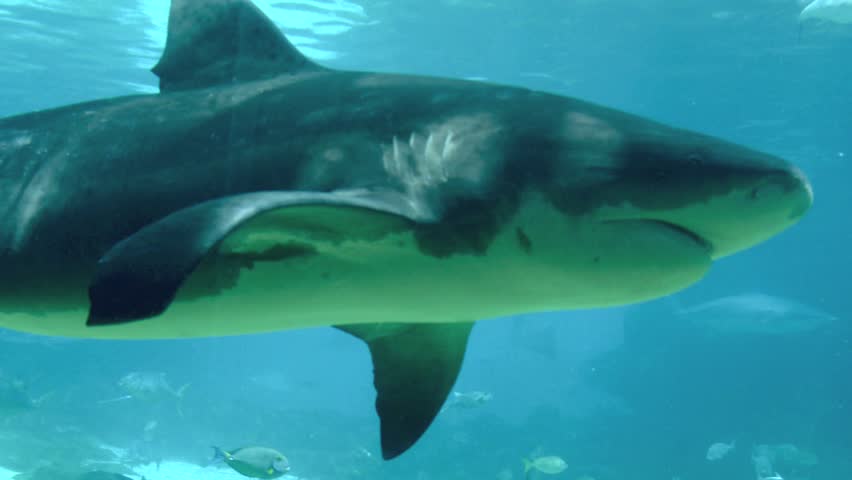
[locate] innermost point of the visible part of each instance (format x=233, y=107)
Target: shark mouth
x=683, y=231
x=671, y=227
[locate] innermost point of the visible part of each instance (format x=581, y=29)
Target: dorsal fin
x=219, y=42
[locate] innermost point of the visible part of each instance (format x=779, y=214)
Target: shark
x=836, y=11
x=261, y=191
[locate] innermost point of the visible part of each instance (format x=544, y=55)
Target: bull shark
x=755, y=314
x=261, y=191
x=836, y=11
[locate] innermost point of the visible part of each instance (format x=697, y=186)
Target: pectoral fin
x=139, y=277
x=415, y=367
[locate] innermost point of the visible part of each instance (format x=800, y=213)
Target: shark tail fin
x=528, y=465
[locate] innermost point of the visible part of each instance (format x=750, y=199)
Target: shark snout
x=803, y=189
x=728, y=207
x=769, y=203
x=790, y=186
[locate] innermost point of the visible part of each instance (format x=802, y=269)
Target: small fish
x=468, y=399
x=149, y=387
x=550, y=465
x=362, y=452
x=254, y=462
x=149, y=429
x=720, y=450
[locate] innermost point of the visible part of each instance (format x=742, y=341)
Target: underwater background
x=640, y=392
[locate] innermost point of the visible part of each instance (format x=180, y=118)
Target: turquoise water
x=636, y=392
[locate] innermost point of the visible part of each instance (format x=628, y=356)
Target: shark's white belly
x=541, y=261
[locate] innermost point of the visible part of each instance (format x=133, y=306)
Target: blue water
x=620, y=393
